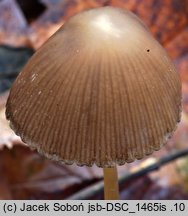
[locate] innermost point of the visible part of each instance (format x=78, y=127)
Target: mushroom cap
x=100, y=90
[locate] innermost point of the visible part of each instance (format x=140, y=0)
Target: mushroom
x=100, y=91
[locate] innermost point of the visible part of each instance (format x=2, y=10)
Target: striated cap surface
x=100, y=90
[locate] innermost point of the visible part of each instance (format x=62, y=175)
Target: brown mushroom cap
x=100, y=90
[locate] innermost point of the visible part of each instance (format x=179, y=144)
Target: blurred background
x=24, y=174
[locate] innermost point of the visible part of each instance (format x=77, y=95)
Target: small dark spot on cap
x=148, y=50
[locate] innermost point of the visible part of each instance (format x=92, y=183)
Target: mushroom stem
x=111, y=187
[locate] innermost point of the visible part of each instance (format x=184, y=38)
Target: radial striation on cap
x=100, y=90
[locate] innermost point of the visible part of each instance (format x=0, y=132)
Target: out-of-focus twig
x=97, y=188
